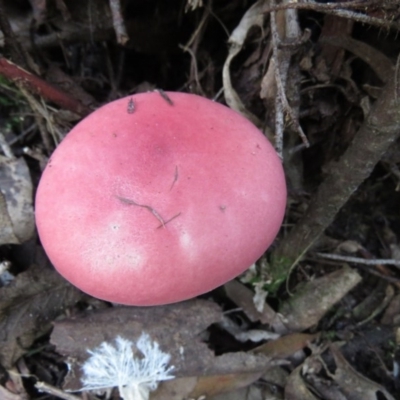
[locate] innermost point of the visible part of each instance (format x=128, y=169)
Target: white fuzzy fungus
x=116, y=366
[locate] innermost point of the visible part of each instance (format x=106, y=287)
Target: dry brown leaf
x=374, y=303
x=253, y=17
x=253, y=392
x=176, y=389
x=392, y=313
x=213, y=385
x=296, y=389
x=13, y=388
x=7, y=395
x=354, y=385
x=286, y=345
x=377, y=60
x=310, y=302
x=243, y=297
x=27, y=307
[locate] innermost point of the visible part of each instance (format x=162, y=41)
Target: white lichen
x=117, y=366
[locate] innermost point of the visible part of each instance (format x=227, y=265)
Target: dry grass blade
x=252, y=17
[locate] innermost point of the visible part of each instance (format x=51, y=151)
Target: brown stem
x=40, y=87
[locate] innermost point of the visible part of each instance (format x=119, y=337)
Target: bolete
x=159, y=197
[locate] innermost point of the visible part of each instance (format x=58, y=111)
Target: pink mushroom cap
x=147, y=202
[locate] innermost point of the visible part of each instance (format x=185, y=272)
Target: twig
x=372, y=271
x=365, y=19
x=5, y=147
x=198, y=30
x=218, y=19
x=397, y=77
x=46, y=388
x=118, y=22
x=218, y=94
x=40, y=87
x=192, y=45
x=151, y=209
x=312, y=5
x=279, y=116
x=193, y=66
x=359, y=260
x=169, y=220
x=165, y=96
x=281, y=101
x=340, y=10
x=176, y=176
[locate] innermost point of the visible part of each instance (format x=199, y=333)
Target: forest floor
x=317, y=317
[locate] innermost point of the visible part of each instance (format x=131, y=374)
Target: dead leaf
x=253, y=392
x=176, y=389
x=177, y=328
x=7, y=395
x=252, y=17
x=334, y=56
x=286, y=345
x=354, y=385
x=243, y=297
x=27, y=307
x=310, y=302
x=374, y=303
x=392, y=313
x=213, y=385
x=296, y=389
x=13, y=388
x=377, y=60
x=16, y=211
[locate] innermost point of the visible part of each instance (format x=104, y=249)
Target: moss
x=279, y=269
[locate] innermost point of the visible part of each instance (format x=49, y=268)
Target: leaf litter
x=177, y=329
x=28, y=306
x=331, y=83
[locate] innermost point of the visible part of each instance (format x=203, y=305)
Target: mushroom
x=159, y=197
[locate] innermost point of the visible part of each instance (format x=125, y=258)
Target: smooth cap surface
x=147, y=203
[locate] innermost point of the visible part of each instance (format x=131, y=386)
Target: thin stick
x=176, y=176
x=40, y=87
x=46, y=388
x=165, y=96
x=151, y=209
x=118, y=22
x=169, y=220
x=359, y=260
x=339, y=9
